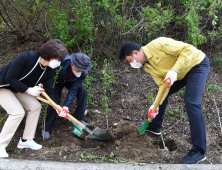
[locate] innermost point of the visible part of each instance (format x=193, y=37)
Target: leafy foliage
x=76, y=22
x=88, y=81
x=71, y=29
x=216, y=63
x=155, y=19
x=194, y=33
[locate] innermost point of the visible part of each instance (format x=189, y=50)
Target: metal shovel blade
x=100, y=134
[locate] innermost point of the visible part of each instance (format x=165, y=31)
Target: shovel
x=142, y=129
x=97, y=133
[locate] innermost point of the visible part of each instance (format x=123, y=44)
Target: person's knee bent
x=36, y=106
x=20, y=113
x=83, y=90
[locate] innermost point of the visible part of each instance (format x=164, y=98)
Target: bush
x=216, y=63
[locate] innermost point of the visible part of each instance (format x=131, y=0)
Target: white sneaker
x=3, y=153
x=28, y=144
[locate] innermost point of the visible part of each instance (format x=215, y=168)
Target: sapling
x=2, y=119
x=45, y=112
x=107, y=81
x=161, y=137
x=211, y=88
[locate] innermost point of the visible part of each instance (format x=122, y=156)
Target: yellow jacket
x=165, y=54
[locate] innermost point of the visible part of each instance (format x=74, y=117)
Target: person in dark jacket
x=19, y=84
x=74, y=71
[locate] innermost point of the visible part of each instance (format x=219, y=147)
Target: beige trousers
x=13, y=103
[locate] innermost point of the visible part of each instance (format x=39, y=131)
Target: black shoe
x=155, y=131
x=193, y=157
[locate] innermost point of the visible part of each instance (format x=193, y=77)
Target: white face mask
x=54, y=63
x=77, y=74
x=135, y=64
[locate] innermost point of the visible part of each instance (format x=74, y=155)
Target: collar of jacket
x=66, y=58
x=37, y=62
x=147, y=52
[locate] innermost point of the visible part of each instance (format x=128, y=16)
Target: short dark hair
x=53, y=49
x=127, y=49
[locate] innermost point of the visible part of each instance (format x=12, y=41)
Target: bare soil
x=130, y=97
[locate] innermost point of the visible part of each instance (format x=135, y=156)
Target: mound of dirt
x=124, y=128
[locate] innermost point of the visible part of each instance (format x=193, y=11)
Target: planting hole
x=170, y=144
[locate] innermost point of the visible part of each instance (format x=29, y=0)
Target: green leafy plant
x=150, y=99
x=107, y=81
x=70, y=31
x=60, y=153
x=2, y=121
x=18, y=151
x=155, y=19
x=111, y=155
x=82, y=156
x=59, y=27
x=181, y=93
x=167, y=111
x=44, y=117
x=88, y=82
x=90, y=157
x=216, y=63
x=127, y=70
x=56, y=76
x=194, y=33
x=209, y=115
x=46, y=105
x=110, y=158
x=161, y=137
x=77, y=153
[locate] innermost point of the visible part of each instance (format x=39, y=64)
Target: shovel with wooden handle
x=97, y=133
x=142, y=129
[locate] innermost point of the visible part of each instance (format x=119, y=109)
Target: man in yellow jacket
x=184, y=65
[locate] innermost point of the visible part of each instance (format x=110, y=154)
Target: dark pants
x=195, y=82
x=80, y=109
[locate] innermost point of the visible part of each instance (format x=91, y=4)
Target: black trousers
x=80, y=109
x=194, y=81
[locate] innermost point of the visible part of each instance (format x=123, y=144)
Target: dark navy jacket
x=20, y=67
x=73, y=83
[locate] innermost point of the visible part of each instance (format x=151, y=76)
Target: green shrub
x=216, y=63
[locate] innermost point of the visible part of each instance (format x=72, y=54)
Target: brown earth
x=130, y=97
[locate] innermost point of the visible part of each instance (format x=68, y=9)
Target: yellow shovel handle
x=53, y=104
x=160, y=97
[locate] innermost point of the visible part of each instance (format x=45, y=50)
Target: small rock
x=86, y=111
x=126, y=118
x=117, y=142
x=115, y=124
x=97, y=111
